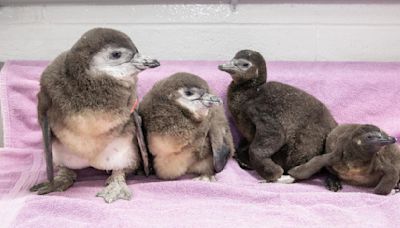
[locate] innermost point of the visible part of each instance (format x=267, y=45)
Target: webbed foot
x=116, y=188
x=272, y=172
x=332, y=183
x=64, y=179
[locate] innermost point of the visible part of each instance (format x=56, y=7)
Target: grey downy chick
x=282, y=126
x=359, y=155
x=84, y=108
x=186, y=128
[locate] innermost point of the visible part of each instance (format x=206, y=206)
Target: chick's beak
x=386, y=140
x=228, y=67
x=143, y=62
x=153, y=63
x=210, y=100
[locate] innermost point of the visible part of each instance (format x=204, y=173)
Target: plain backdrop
x=312, y=30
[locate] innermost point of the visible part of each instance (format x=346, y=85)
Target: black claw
x=44, y=191
x=242, y=159
x=243, y=165
x=36, y=188
x=397, y=188
x=333, y=183
x=59, y=185
x=43, y=188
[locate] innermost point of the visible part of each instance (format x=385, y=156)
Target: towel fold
x=354, y=92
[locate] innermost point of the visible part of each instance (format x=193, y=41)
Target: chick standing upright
x=85, y=111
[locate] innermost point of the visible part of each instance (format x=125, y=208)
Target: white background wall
x=281, y=30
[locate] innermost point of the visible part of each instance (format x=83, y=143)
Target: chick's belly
x=202, y=167
x=245, y=127
x=170, y=159
x=360, y=180
x=62, y=156
x=359, y=177
x=118, y=153
x=172, y=166
x=162, y=145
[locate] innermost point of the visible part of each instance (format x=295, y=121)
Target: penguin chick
x=359, y=155
x=186, y=128
x=282, y=126
x=84, y=108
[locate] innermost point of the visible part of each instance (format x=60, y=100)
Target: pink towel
x=355, y=92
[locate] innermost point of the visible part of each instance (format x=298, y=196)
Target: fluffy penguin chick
x=282, y=126
x=360, y=155
x=84, y=107
x=186, y=128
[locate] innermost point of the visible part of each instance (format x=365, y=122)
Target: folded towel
x=355, y=92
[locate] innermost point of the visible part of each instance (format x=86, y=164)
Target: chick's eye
x=245, y=64
x=116, y=55
x=369, y=137
x=188, y=93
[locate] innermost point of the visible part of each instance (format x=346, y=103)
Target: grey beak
x=227, y=67
x=387, y=140
x=210, y=100
x=144, y=62
x=153, y=63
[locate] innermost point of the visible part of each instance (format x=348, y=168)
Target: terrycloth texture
x=355, y=92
